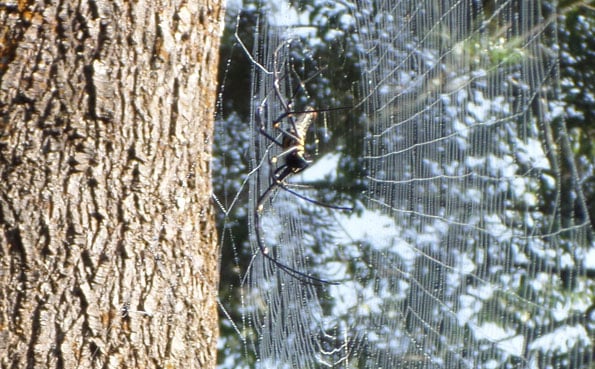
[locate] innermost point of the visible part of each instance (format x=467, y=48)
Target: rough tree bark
x=108, y=255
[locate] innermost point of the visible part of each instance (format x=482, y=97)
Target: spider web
x=469, y=246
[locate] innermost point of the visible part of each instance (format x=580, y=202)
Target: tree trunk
x=108, y=256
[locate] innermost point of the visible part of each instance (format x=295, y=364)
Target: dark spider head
x=296, y=161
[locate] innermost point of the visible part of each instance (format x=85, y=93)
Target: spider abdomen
x=296, y=160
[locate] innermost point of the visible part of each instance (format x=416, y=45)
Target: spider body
x=293, y=144
x=294, y=160
x=290, y=137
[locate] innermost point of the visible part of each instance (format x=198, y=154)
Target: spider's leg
x=301, y=276
x=277, y=88
x=278, y=178
x=302, y=84
x=261, y=125
x=299, y=126
x=323, y=204
x=264, y=197
x=284, y=103
x=281, y=173
x=267, y=135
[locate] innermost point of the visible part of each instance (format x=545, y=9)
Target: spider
x=293, y=161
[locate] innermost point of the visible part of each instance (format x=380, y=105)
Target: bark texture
x=108, y=255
